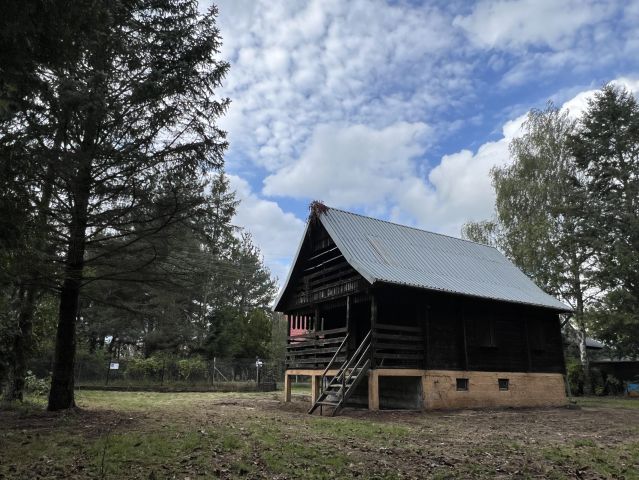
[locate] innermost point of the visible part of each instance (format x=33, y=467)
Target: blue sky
x=398, y=109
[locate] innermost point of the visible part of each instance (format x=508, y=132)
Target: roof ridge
x=410, y=227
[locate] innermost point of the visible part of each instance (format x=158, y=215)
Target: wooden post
x=373, y=390
x=424, y=392
x=351, y=339
x=528, y=356
x=373, y=325
x=465, y=340
x=287, y=387
x=318, y=322
x=426, y=333
x=315, y=388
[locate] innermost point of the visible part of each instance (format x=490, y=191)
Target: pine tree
x=125, y=120
x=606, y=146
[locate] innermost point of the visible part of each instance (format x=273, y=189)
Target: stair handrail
x=354, y=358
x=358, y=364
x=328, y=367
x=359, y=349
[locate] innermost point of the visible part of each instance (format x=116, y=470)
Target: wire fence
x=172, y=373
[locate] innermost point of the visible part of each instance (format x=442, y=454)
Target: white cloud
x=631, y=84
x=344, y=101
x=536, y=40
x=459, y=187
x=375, y=170
x=579, y=103
x=508, y=24
x=276, y=232
x=296, y=65
x=352, y=165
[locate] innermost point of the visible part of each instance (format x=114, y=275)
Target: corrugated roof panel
x=387, y=252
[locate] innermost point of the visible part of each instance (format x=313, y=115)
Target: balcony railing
x=314, y=350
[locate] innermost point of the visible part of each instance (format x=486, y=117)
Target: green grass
x=301, y=388
x=619, y=462
x=174, y=385
x=142, y=435
x=608, y=402
x=143, y=401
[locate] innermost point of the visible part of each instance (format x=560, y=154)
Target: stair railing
x=361, y=361
x=355, y=357
x=330, y=364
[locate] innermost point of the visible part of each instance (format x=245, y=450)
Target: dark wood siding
x=444, y=335
x=415, y=328
x=464, y=333
x=322, y=274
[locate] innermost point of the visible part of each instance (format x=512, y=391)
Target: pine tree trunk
x=61, y=395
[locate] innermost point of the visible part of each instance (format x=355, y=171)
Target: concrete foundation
x=440, y=389
x=524, y=389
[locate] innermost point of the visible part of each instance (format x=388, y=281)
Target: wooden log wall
x=442, y=331
x=322, y=273
x=397, y=346
x=314, y=350
x=482, y=335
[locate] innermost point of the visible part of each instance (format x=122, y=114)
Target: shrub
x=189, y=367
x=38, y=387
x=597, y=382
x=575, y=375
x=143, y=368
x=614, y=386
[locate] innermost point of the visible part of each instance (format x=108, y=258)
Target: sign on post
x=114, y=366
x=258, y=364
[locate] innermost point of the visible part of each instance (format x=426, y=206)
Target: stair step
x=336, y=393
x=337, y=388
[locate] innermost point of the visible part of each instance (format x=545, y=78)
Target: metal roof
x=390, y=253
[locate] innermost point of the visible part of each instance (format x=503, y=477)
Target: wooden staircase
x=337, y=392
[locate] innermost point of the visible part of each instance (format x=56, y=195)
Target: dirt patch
x=259, y=436
x=43, y=421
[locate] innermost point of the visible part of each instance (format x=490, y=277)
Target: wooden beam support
x=315, y=388
x=351, y=339
x=464, y=333
x=426, y=335
x=316, y=316
x=373, y=326
x=373, y=390
x=287, y=387
x=528, y=355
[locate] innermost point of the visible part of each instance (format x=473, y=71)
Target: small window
x=503, y=384
x=462, y=384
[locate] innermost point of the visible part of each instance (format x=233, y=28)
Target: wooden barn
x=388, y=316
